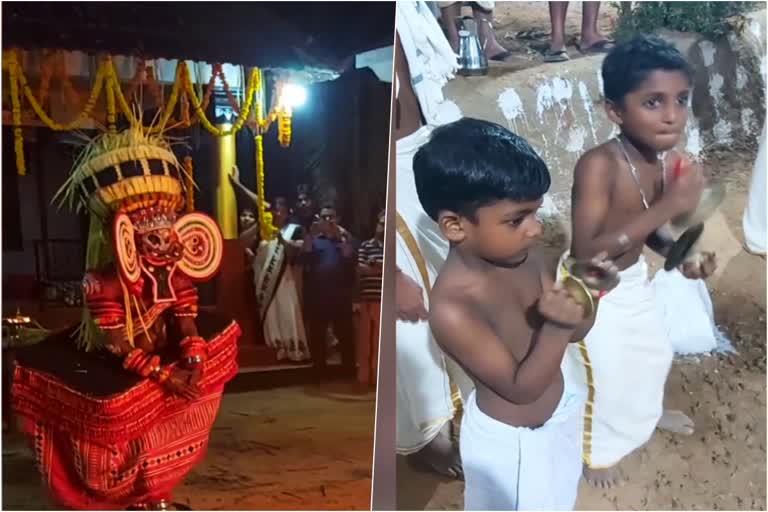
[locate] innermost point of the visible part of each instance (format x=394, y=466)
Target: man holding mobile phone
x=329, y=285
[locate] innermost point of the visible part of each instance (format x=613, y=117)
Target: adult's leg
x=344, y=328
x=317, y=327
x=591, y=38
x=449, y=13
x=484, y=20
x=363, y=345
x=557, y=12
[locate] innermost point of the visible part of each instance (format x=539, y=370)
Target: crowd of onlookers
x=318, y=287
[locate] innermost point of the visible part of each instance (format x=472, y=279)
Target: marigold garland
x=254, y=84
x=106, y=77
x=189, y=184
x=111, y=115
x=284, y=128
x=15, y=70
x=266, y=227
x=18, y=136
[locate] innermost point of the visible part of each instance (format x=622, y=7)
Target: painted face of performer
x=160, y=246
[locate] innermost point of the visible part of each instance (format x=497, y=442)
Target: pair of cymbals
x=583, y=278
x=693, y=226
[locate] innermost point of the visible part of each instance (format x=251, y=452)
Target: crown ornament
x=153, y=218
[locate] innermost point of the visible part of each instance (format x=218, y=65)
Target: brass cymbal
x=580, y=293
x=593, y=276
x=681, y=249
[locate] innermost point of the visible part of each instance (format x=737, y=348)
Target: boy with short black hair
x=624, y=192
x=497, y=311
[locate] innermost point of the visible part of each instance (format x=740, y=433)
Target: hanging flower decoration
x=267, y=229
x=189, y=184
x=284, y=127
x=18, y=136
x=183, y=93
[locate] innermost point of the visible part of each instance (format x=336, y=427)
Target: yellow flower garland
x=18, y=136
x=111, y=115
x=106, y=77
x=254, y=83
x=266, y=227
x=284, y=128
x=15, y=70
x=189, y=184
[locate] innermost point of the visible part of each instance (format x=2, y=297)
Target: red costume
x=120, y=417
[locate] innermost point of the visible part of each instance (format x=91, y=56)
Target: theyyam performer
x=120, y=409
x=429, y=385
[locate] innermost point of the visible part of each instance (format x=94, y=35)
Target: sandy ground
x=298, y=448
x=723, y=465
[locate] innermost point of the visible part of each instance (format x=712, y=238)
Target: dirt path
x=723, y=465
x=283, y=449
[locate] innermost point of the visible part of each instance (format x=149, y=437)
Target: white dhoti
x=518, y=468
x=278, y=297
x=426, y=400
x=622, y=367
x=755, y=213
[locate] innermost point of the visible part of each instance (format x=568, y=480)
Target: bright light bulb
x=293, y=95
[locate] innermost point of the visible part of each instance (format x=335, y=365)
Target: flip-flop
x=501, y=57
x=558, y=56
x=599, y=47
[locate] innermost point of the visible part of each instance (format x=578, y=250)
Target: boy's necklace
x=633, y=170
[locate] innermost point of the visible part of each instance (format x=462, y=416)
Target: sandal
x=603, y=46
x=556, y=56
x=501, y=57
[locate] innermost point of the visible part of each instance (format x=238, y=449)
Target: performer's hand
x=196, y=375
x=557, y=307
x=179, y=383
x=700, y=267
x=409, y=299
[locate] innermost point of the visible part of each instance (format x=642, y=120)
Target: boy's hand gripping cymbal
x=588, y=281
x=557, y=306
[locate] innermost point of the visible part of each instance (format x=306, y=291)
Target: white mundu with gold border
x=621, y=367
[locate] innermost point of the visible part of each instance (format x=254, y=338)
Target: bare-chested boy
x=495, y=309
x=622, y=196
